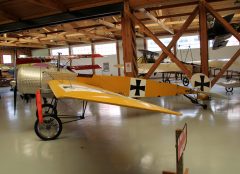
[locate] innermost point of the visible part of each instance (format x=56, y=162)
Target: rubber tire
x=36, y=128
x=49, y=106
x=204, y=106
x=167, y=81
x=185, y=81
x=229, y=89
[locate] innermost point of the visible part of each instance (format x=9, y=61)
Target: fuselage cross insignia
x=137, y=87
x=202, y=83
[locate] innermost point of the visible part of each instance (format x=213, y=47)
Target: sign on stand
x=182, y=142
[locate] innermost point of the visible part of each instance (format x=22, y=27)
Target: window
x=63, y=51
x=81, y=50
x=7, y=59
x=22, y=56
x=210, y=43
x=106, y=49
x=186, y=42
x=152, y=46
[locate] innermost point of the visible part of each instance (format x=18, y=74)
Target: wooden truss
x=202, y=8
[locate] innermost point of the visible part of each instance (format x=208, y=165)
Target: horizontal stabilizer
x=215, y=95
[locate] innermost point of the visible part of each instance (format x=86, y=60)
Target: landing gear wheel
x=185, y=81
x=229, y=89
x=167, y=81
x=50, y=129
x=204, y=106
x=47, y=109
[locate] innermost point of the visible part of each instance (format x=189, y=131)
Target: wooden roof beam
x=32, y=34
x=52, y=4
x=156, y=20
x=115, y=19
x=72, y=28
x=9, y=39
x=189, y=3
x=8, y=15
x=108, y=24
x=54, y=43
x=91, y=3
x=111, y=25
x=69, y=27
x=23, y=45
x=187, y=14
x=182, y=21
x=68, y=36
x=28, y=41
x=90, y=34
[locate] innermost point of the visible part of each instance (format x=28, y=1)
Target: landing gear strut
x=51, y=127
x=195, y=101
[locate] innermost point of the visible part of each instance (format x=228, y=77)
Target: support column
x=144, y=43
x=118, y=57
x=93, y=59
x=70, y=53
x=203, y=38
x=129, y=43
x=49, y=51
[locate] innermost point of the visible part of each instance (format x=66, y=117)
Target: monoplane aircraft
x=101, y=89
x=147, y=56
x=58, y=83
x=71, y=65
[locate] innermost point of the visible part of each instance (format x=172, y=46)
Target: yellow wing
x=76, y=90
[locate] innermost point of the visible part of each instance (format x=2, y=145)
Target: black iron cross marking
x=137, y=87
x=202, y=83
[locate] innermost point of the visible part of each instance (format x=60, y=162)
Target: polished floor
x=114, y=140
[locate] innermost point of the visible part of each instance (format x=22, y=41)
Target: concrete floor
x=121, y=140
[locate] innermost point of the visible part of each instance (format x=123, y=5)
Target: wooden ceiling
x=162, y=17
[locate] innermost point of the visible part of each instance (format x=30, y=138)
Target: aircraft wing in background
x=218, y=33
x=220, y=41
x=143, y=68
x=83, y=67
x=80, y=56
